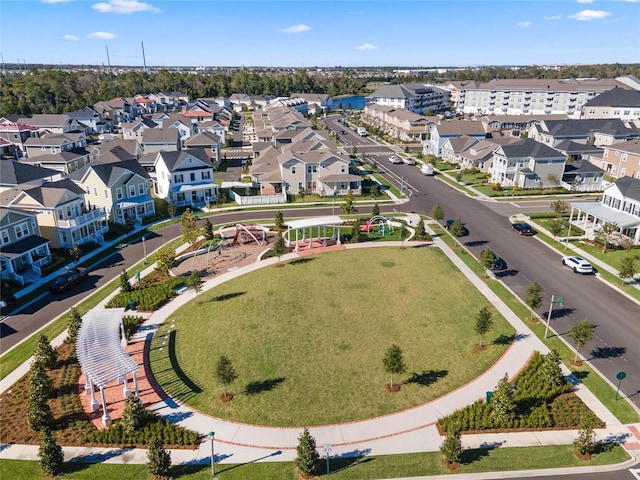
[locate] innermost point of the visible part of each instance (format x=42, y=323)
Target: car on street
x=449, y=223
x=394, y=159
x=68, y=279
x=498, y=264
x=408, y=161
x=577, y=264
x=522, y=228
x=342, y=132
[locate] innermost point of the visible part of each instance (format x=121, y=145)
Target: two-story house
x=210, y=142
x=620, y=205
x=526, y=164
x=185, y=177
x=54, y=143
x=24, y=251
x=136, y=128
x=121, y=188
x=622, y=159
x=116, y=110
x=622, y=103
x=61, y=212
x=441, y=132
x=16, y=134
x=51, y=123
x=14, y=173
x=91, y=120
x=160, y=139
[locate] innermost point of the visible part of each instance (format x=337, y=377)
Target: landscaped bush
x=131, y=324
x=543, y=399
x=147, y=299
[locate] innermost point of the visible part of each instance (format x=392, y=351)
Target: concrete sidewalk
x=409, y=431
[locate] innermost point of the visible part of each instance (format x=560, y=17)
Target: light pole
x=327, y=450
x=333, y=207
x=144, y=247
x=213, y=468
x=560, y=302
x=620, y=376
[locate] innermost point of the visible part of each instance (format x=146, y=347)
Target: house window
x=60, y=217
x=140, y=188
x=106, y=193
x=343, y=168
x=192, y=176
x=206, y=175
x=132, y=190
x=300, y=187
x=179, y=178
x=180, y=197
x=88, y=190
x=623, y=171
x=624, y=157
x=68, y=212
x=119, y=193
x=312, y=168
x=22, y=230
x=293, y=170
x=95, y=191
x=5, y=237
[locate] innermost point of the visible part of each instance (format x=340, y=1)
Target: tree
x=307, y=458
x=484, y=322
x=404, y=232
x=421, y=233
x=559, y=207
x=207, y=229
x=457, y=229
x=75, y=321
x=189, y=227
x=607, y=234
x=585, y=442
x=533, y=296
x=374, y=191
x=436, y=212
x=45, y=353
x=451, y=448
x=221, y=199
x=125, y=285
x=39, y=415
x=159, y=463
x=503, y=405
x=195, y=283
x=225, y=373
x=555, y=227
x=394, y=362
x=302, y=193
x=134, y=415
x=166, y=257
x=628, y=268
x=550, y=370
x=348, y=207
x=279, y=248
x=50, y=453
x=75, y=252
x=279, y=221
x=171, y=209
x=554, y=180
x=375, y=210
x=487, y=258
x=581, y=333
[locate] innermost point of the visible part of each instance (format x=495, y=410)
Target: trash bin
x=132, y=304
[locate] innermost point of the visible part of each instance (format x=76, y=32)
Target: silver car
x=577, y=264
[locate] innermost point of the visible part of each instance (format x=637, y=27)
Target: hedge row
x=147, y=299
x=169, y=433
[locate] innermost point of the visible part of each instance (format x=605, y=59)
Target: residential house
x=144, y=105
x=121, y=188
x=526, y=164
x=441, y=132
x=64, y=218
x=132, y=148
x=13, y=173
x=479, y=154
x=582, y=176
x=24, y=251
x=160, y=139
x=590, y=131
x=318, y=102
x=185, y=177
x=457, y=92
x=622, y=159
x=54, y=143
x=135, y=130
x=454, y=146
x=211, y=126
x=515, y=124
x=16, y=134
x=415, y=97
x=52, y=123
x=209, y=142
x=622, y=103
x=117, y=110
x=182, y=123
x=398, y=123
x=90, y=121
x=620, y=205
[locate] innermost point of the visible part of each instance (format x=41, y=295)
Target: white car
x=408, y=161
x=394, y=159
x=577, y=264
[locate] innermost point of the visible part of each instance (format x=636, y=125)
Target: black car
x=449, y=223
x=498, y=264
x=522, y=228
x=68, y=278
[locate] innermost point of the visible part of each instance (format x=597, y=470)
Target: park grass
x=355, y=468
x=307, y=340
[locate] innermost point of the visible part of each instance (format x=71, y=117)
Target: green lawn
x=361, y=468
x=307, y=340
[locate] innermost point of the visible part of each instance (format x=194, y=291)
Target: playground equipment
x=247, y=233
x=377, y=224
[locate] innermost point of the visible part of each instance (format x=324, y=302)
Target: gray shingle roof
x=172, y=159
x=616, y=97
x=529, y=148
x=629, y=187
x=109, y=173
x=13, y=172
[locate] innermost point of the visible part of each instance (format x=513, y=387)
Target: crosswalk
x=635, y=472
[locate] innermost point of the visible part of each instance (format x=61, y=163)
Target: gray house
x=527, y=164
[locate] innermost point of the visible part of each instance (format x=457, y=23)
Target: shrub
x=147, y=299
x=159, y=462
x=308, y=458
x=50, y=453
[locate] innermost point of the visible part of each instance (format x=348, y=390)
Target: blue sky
x=320, y=33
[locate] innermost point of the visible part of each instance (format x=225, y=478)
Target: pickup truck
x=362, y=131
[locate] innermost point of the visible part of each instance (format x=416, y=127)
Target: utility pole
x=144, y=59
x=108, y=60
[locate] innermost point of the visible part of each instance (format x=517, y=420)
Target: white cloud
x=124, y=7
x=590, y=15
x=365, y=46
x=296, y=28
x=102, y=36
x=524, y=24
x=554, y=17
x=586, y=1
x=70, y=38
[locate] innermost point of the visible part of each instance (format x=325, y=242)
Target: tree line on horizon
x=57, y=91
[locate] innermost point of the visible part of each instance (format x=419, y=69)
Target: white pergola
x=591, y=214
x=100, y=349
x=311, y=223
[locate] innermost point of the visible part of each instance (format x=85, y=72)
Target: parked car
x=68, y=279
x=342, y=132
x=408, y=161
x=498, y=264
x=522, y=228
x=578, y=264
x=427, y=169
x=394, y=159
x=449, y=223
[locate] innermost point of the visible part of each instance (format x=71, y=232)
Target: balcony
x=84, y=219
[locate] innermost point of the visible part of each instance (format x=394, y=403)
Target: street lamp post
x=213, y=468
x=560, y=302
x=333, y=207
x=144, y=247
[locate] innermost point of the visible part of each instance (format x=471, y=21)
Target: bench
x=180, y=288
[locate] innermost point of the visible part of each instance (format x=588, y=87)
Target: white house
x=185, y=177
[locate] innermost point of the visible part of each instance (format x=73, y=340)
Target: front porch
x=133, y=209
x=25, y=258
x=89, y=227
x=192, y=195
x=591, y=216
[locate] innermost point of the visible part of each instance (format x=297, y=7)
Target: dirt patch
x=392, y=388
